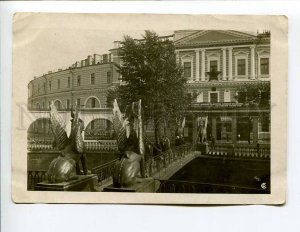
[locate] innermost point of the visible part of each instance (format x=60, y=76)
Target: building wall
x=63, y=85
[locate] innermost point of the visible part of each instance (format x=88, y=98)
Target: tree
x=150, y=72
x=255, y=94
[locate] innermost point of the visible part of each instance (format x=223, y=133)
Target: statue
x=130, y=145
x=202, y=127
x=67, y=164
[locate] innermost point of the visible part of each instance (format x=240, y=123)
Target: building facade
x=85, y=83
x=238, y=61
x=217, y=65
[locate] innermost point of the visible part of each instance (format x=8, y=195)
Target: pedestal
x=83, y=183
x=203, y=148
x=146, y=185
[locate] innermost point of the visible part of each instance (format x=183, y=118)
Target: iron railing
x=152, y=166
x=90, y=145
x=105, y=171
x=240, y=151
x=34, y=177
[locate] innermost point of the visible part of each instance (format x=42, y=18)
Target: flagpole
x=141, y=142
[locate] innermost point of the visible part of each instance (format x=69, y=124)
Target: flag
x=58, y=126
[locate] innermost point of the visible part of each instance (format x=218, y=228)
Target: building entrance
x=244, y=129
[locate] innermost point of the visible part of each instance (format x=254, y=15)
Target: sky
x=47, y=46
x=46, y=42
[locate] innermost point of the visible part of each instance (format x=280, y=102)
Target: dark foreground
x=211, y=175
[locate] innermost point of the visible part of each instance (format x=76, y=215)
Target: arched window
x=58, y=105
x=92, y=102
x=99, y=129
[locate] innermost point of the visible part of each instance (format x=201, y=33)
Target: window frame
x=244, y=67
x=209, y=99
x=185, y=59
x=239, y=56
x=229, y=94
x=189, y=68
x=263, y=54
x=108, y=77
x=92, y=78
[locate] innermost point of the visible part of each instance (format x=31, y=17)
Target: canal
x=38, y=161
x=215, y=175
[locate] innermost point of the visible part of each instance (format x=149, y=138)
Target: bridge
x=87, y=115
x=160, y=167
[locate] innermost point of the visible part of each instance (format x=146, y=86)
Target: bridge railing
x=34, y=177
x=178, y=186
x=105, y=171
x=103, y=145
x=152, y=166
x=157, y=163
x=40, y=145
x=90, y=145
x=240, y=151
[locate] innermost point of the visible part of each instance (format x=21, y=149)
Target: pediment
x=213, y=36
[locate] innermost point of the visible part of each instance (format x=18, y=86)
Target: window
x=58, y=84
x=241, y=67
x=68, y=104
x=213, y=65
x=265, y=124
x=92, y=125
x=78, y=102
x=199, y=98
x=214, y=97
x=78, y=80
x=93, y=103
x=92, y=78
x=50, y=85
x=187, y=69
x=264, y=66
x=227, y=96
x=43, y=105
x=108, y=77
x=44, y=86
x=38, y=88
x=69, y=82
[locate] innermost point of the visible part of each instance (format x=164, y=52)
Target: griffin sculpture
x=67, y=164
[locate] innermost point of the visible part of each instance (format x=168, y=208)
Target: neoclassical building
x=85, y=82
x=238, y=60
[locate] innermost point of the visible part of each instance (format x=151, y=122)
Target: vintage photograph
x=182, y=110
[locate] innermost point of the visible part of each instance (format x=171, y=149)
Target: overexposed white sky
x=49, y=43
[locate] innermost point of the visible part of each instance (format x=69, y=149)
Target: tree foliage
x=257, y=94
x=150, y=72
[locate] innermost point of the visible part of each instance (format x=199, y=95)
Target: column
x=197, y=64
x=233, y=129
x=252, y=74
x=255, y=130
x=214, y=127
x=224, y=64
x=202, y=64
x=230, y=64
